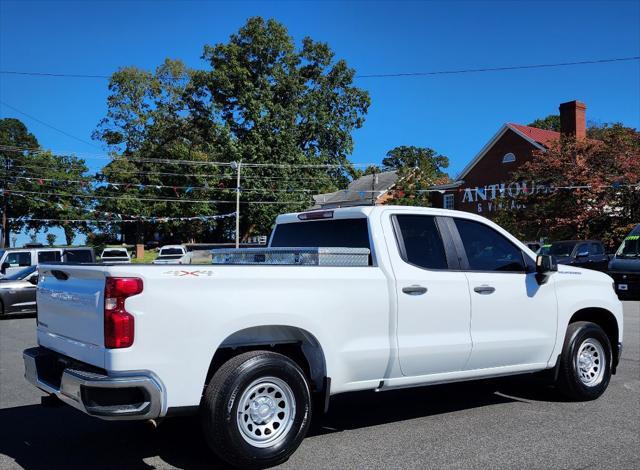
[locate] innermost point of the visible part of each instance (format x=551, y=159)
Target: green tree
x=148, y=126
x=418, y=168
x=282, y=105
x=17, y=147
x=37, y=184
x=51, y=239
x=549, y=123
x=261, y=101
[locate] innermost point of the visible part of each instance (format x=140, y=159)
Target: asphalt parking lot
x=514, y=423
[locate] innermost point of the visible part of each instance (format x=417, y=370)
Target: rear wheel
x=256, y=409
x=585, y=363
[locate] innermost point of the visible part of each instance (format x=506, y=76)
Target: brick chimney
x=573, y=120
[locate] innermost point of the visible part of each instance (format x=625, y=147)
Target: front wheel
x=256, y=410
x=585, y=363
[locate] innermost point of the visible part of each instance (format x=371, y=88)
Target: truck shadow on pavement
x=39, y=437
x=16, y=316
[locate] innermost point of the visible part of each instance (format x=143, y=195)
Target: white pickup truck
x=444, y=296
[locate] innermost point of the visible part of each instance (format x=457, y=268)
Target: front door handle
x=414, y=290
x=484, y=290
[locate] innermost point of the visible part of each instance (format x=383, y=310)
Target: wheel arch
x=605, y=320
x=294, y=342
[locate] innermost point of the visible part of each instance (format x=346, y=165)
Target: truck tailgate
x=70, y=303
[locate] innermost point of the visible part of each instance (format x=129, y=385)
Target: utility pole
x=237, y=166
x=5, y=205
x=374, y=181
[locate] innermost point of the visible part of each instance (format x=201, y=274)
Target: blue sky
x=454, y=114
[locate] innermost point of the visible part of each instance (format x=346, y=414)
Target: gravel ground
x=519, y=425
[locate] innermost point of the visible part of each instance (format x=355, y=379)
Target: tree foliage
x=549, y=123
x=51, y=239
x=608, y=205
x=39, y=184
x=261, y=100
x=418, y=168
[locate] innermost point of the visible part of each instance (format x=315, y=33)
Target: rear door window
x=421, y=240
x=48, y=256
x=345, y=233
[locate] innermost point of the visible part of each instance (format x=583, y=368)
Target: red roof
x=541, y=136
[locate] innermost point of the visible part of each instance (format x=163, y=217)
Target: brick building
x=486, y=185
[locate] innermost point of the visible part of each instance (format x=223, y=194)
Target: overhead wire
x=48, y=125
x=137, y=198
x=378, y=75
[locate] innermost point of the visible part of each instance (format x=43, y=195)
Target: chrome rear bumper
x=108, y=397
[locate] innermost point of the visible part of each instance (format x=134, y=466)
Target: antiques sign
x=492, y=197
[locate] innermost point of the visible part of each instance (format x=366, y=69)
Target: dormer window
x=509, y=158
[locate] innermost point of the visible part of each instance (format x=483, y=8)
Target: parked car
x=171, y=254
x=18, y=291
x=582, y=253
x=115, y=256
x=394, y=297
x=13, y=260
x=624, y=268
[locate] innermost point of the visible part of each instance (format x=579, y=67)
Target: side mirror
x=545, y=264
x=4, y=267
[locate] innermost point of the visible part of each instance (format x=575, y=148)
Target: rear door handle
x=484, y=290
x=414, y=290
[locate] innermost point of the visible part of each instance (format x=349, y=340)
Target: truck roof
x=366, y=211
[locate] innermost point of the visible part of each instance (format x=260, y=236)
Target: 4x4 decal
x=184, y=272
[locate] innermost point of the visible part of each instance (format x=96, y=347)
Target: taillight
x=118, y=323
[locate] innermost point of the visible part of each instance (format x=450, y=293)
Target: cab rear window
x=114, y=254
x=171, y=251
x=346, y=233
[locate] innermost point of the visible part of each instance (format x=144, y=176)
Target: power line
x=498, y=69
x=47, y=125
x=120, y=219
x=41, y=171
x=47, y=74
x=169, y=161
x=136, y=198
x=375, y=75
x=141, y=186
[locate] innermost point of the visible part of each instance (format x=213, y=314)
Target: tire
x=256, y=409
x=587, y=378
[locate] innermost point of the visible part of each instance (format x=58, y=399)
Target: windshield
x=558, y=249
x=19, y=275
x=630, y=247
x=171, y=251
x=114, y=254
